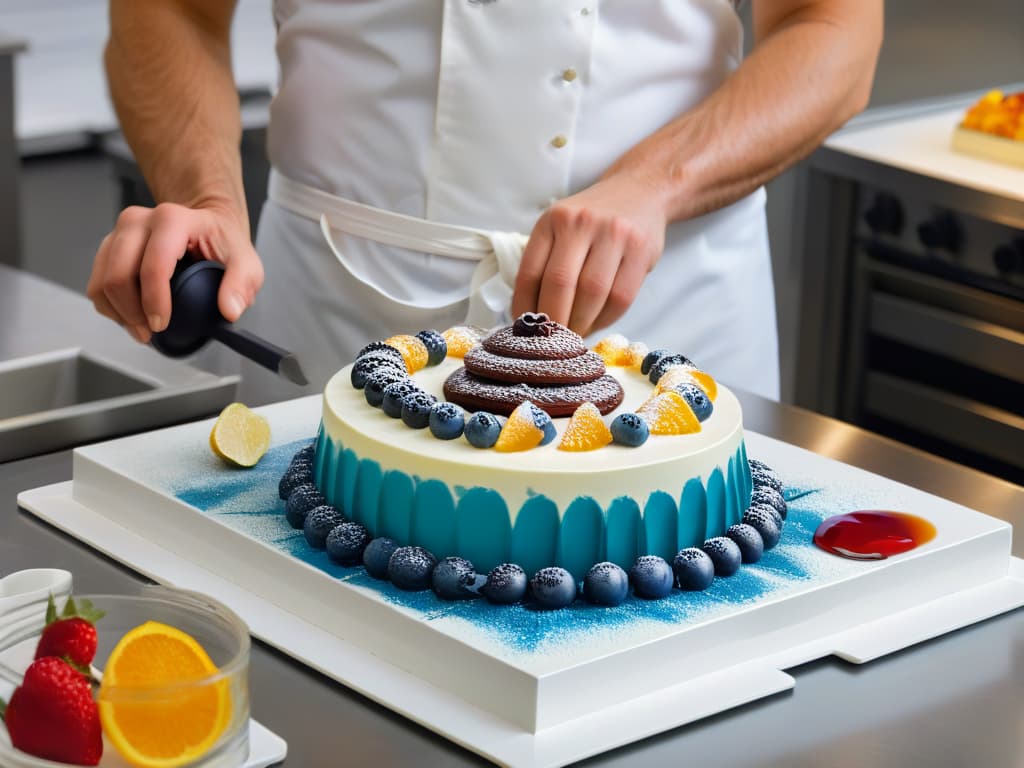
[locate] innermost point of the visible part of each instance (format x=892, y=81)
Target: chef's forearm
x=810, y=71
x=168, y=65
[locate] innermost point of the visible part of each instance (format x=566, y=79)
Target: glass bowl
x=220, y=632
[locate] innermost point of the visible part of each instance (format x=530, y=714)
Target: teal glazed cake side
x=480, y=524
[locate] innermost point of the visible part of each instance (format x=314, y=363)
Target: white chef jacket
x=480, y=113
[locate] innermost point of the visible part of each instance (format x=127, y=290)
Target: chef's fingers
x=531, y=267
x=243, y=278
x=170, y=233
x=598, y=275
x=121, y=276
x=94, y=288
x=572, y=228
x=634, y=267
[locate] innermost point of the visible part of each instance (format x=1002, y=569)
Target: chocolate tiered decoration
x=534, y=359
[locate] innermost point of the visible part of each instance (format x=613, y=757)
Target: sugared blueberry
x=378, y=381
x=605, y=584
x=666, y=362
x=550, y=433
x=693, y=568
x=553, y=587
x=383, y=347
x=748, y=540
x=760, y=519
x=409, y=568
x=416, y=409
x=762, y=474
x=346, y=542
x=304, y=456
x=697, y=399
x=364, y=366
x=394, y=394
x=651, y=358
x=437, y=347
x=724, y=553
x=630, y=429
x=301, y=500
x=292, y=478
x=319, y=523
x=482, y=429
x=446, y=421
x=652, y=577
x=543, y=422
x=376, y=556
x=765, y=494
x=770, y=510
x=506, y=584
x=453, y=579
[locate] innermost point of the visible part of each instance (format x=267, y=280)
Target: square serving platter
x=520, y=686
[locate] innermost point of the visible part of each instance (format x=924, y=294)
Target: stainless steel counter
x=69, y=376
x=954, y=701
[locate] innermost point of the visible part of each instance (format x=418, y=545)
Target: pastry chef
x=438, y=162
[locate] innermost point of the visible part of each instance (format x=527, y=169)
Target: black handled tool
x=195, y=319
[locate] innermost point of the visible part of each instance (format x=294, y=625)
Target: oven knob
x=943, y=231
x=1009, y=257
x=885, y=214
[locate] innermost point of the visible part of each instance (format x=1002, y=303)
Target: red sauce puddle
x=872, y=534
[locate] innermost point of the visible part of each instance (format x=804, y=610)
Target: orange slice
x=682, y=374
x=669, y=414
x=612, y=348
x=520, y=432
x=148, y=709
x=634, y=355
x=462, y=338
x=414, y=352
x=240, y=436
x=586, y=430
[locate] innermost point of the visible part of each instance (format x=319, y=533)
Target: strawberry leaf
x=84, y=609
x=83, y=668
x=51, y=611
x=3, y=709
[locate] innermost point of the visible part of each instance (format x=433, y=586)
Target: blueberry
x=506, y=584
x=763, y=522
x=378, y=381
x=697, y=399
x=346, y=542
x=605, y=584
x=454, y=579
x=446, y=421
x=364, y=366
x=651, y=358
x=724, y=553
x=482, y=429
x=762, y=474
x=437, y=347
x=304, y=457
x=542, y=421
x=630, y=429
x=666, y=362
x=292, y=478
x=765, y=494
x=319, y=523
x=416, y=409
x=409, y=568
x=301, y=500
x=376, y=556
x=693, y=568
x=652, y=577
x=748, y=540
x=550, y=433
x=381, y=347
x=770, y=510
x=553, y=587
x=394, y=394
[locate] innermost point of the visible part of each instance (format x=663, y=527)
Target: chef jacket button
x=569, y=75
x=559, y=141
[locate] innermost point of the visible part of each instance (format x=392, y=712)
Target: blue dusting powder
x=248, y=502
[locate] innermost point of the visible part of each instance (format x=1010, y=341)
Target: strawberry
x=70, y=636
x=53, y=715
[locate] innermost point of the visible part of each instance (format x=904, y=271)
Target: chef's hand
x=589, y=253
x=130, y=281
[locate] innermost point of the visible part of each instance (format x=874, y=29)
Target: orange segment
x=682, y=374
x=612, y=348
x=462, y=338
x=240, y=436
x=586, y=430
x=634, y=355
x=149, y=710
x=520, y=433
x=669, y=414
x=414, y=352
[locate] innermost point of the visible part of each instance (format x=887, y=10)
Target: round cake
x=549, y=503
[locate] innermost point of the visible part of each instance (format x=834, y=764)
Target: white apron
x=467, y=118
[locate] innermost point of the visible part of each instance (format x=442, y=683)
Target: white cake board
x=965, y=575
